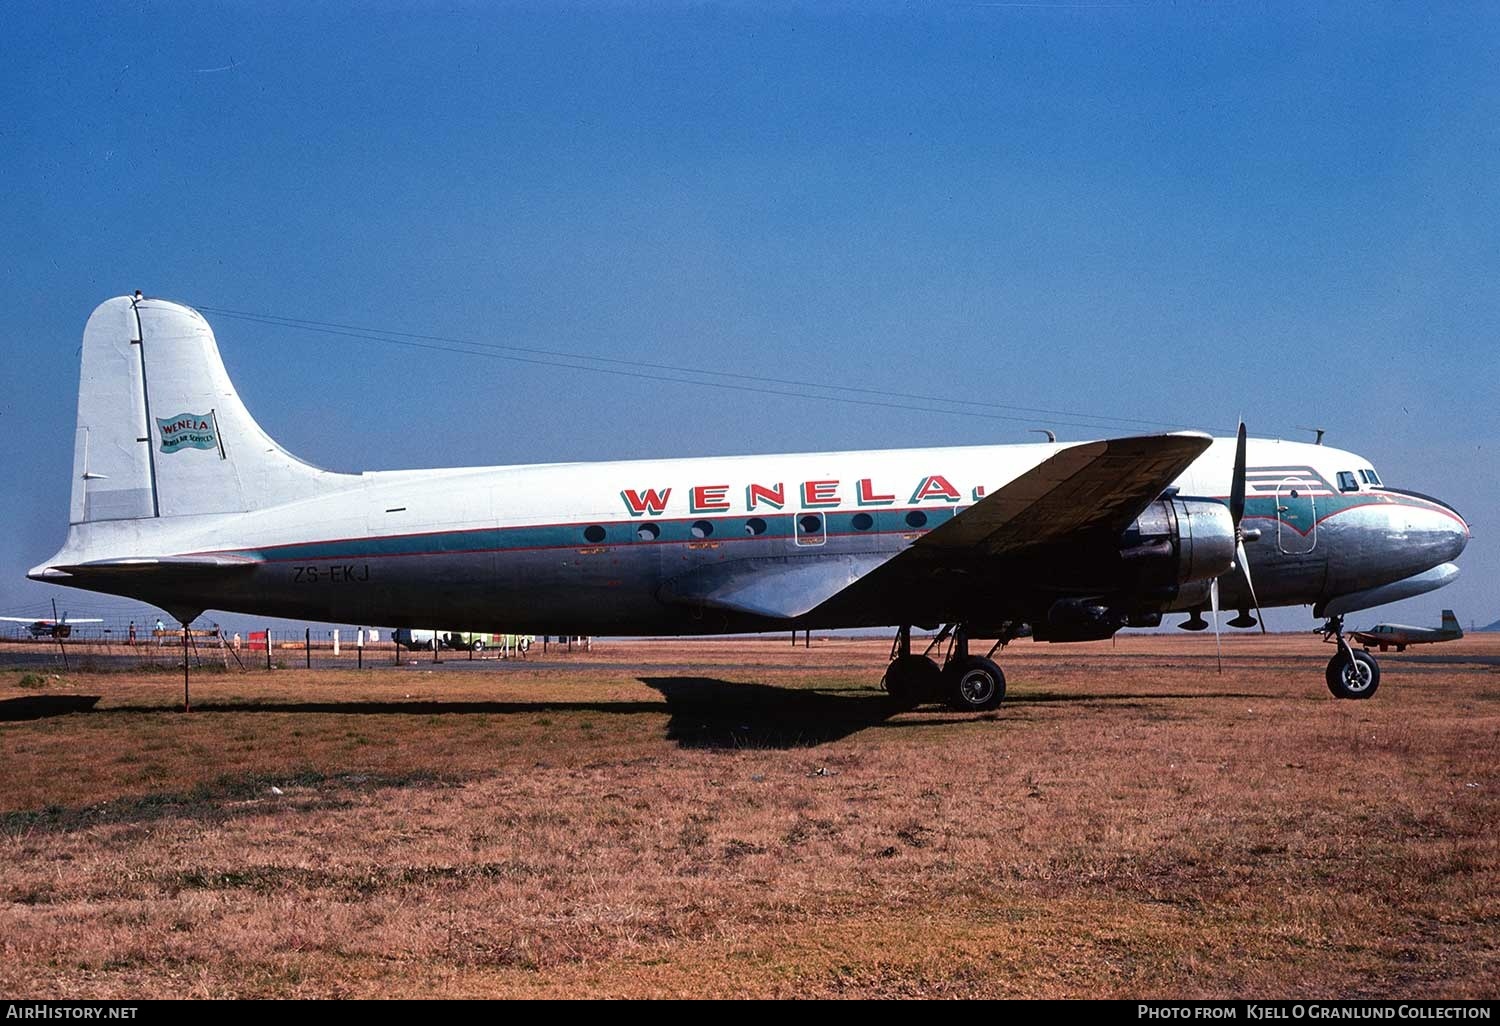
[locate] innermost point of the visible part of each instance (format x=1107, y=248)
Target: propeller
x=1236, y=514
x=1213, y=603
x=1241, y=558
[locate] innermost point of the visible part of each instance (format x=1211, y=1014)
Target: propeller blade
x=1213, y=602
x=1237, y=485
x=1244, y=562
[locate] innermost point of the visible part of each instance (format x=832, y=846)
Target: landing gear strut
x=968, y=683
x=1351, y=673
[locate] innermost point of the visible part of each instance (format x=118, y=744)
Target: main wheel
x=975, y=684
x=1353, y=678
x=911, y=680
x=477, y=645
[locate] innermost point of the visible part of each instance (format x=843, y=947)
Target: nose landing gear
x=968, y=683
x=1351, y=673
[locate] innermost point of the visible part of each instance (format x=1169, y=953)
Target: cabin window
x=916, y=518
x=754, y=526
x=1347, y=482
x=648, y=532
x=593, y=534
x=863, y=521
x=701, y=529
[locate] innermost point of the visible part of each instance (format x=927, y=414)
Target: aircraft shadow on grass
x=704, y=712
x=41, y=707
x=711, y=713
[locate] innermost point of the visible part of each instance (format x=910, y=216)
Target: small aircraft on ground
x=182, y=500
x=1398, y=635
x=474, y=641
x=59, y=628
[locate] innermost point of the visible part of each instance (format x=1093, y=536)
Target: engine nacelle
x=1175, y=548
x=1178, y=541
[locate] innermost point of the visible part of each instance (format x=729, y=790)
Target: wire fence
x=133, y=647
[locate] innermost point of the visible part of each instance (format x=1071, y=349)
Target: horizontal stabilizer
x=148, y=568
x=778, y=588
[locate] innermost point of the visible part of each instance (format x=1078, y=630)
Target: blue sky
x=1175, y=213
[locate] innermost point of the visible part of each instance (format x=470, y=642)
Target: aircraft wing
x=1085, y=488
x=44, y=620
x=1094, y=486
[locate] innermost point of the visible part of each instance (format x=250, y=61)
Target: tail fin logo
x=188, y=431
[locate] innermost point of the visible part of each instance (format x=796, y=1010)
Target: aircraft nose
x=1450, y=530
x=1443, y=531
x=1459, y=532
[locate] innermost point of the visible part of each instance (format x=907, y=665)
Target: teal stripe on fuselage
x=570, y=536
x=726, y=528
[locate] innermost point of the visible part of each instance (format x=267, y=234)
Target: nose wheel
x=1351, y=673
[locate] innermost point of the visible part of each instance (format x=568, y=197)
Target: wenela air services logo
x=188, y=431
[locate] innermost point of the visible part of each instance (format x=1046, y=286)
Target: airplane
x=60, y=628
x=476, y=641
x=180, y=499
x=1387, y=634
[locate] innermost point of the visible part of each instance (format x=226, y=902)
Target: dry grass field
x=741, y=818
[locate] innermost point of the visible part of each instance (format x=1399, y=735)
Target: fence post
x=268, y=648
x=187, y=705
x=307, y=646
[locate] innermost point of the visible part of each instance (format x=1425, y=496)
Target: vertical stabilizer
x=1450, y=623
x=161, y=431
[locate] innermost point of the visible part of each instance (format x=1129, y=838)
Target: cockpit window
x=1370, y=477
x=1347, y=482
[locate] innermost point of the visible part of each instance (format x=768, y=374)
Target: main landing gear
x=968, y=683
x=1351, y=673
